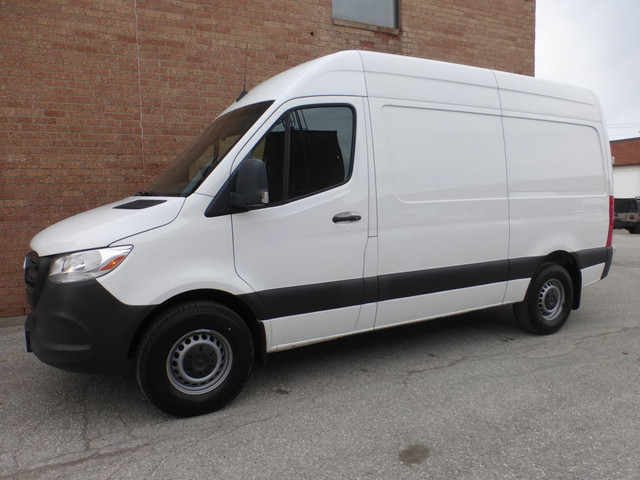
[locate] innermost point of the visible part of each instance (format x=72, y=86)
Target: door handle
x=347, y=217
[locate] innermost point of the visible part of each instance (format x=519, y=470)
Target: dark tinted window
x=307, y=151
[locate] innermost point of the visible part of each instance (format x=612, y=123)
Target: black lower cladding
x=81, y=327
x=304, y=299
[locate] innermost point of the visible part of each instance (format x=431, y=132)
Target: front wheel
x=194, y=359
x=548, y=302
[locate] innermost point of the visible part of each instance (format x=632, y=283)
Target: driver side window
x=308, y=150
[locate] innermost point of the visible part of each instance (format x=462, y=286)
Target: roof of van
x=382, y=75
x=336, y=74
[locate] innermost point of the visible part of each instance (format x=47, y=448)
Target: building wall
x=96, y=96
x=626, y=181
x=626, y=169
x=626, y=152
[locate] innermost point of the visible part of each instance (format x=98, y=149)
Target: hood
x=105, y=225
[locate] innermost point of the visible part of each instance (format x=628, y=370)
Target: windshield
x=198, y=159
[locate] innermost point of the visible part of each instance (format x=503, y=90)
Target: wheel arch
x=242, y=308
x=570, y=264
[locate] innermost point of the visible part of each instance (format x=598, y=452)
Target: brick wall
x=626, y=152
x=95, y=96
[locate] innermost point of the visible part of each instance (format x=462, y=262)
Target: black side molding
x=296, y=300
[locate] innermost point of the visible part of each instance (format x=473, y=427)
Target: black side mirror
x=251, y=189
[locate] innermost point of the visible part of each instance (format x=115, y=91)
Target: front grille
x=35, y=275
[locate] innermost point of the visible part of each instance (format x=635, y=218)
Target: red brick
x=626, y=152
x=70, y=132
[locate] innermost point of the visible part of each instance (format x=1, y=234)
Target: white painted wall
x=626, y=181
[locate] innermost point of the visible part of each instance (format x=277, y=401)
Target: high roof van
x=352, y=193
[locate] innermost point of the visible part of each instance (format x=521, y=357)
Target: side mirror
x=251, y=189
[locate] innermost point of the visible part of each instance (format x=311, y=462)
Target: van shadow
x=396, y=347
x=402, y=339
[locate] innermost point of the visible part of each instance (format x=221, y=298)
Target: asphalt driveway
x=470, y=397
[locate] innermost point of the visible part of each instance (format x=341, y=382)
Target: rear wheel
x=194, y=359
x=548, y=302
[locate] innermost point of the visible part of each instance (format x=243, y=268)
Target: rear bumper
x=81, y=327
x=608, y=261
x=618, y=224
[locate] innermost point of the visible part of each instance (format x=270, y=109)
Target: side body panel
x=559, y=172
x=443, y=227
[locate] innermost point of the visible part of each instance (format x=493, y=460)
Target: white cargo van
x=355, y=192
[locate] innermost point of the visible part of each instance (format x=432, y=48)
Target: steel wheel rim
x=551, y=300
x=199, y=362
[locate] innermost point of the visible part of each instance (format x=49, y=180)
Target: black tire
x=635, y=229
x=194, y=358
x=548, y=302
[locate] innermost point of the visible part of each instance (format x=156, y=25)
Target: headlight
x=73, y=267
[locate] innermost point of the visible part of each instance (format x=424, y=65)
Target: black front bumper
x=81, y=327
